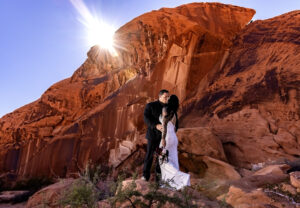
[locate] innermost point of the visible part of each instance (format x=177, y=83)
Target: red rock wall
x=197, y=51
x=252, y=103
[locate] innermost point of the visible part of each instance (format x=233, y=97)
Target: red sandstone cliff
x=252, y=102
x=239, y=88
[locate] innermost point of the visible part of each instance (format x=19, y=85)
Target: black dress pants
x=151, y=147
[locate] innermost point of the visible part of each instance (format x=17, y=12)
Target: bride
x=170, y=172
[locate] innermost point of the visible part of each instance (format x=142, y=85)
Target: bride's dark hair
x=170, y=110
x=173, y=104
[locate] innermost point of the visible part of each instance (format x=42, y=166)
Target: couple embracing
x=161, y=119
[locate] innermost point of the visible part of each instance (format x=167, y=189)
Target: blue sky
x=42, y=41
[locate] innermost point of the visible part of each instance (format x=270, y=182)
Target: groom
x=151, y=117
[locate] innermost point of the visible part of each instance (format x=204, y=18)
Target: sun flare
x=101, y=34
x=98, y=32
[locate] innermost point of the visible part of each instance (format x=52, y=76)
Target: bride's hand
x=159, y=127
x=164, y=112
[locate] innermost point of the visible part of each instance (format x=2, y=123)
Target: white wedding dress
x=170, y=172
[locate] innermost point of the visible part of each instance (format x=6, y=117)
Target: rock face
x=252, y=102
x=97, y=114
x=237, y=83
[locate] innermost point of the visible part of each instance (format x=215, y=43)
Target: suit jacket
x=151, y=118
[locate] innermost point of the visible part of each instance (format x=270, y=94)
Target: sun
x=102, y=34
x=98, y=32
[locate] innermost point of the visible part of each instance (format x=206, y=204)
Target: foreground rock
x=267, y=187
x=50, y=195
x=216, y=179
x=162, y=194
x=295, y=179
x=254, y=199
x=14, y=196
x=273, y=170
x=142, y=190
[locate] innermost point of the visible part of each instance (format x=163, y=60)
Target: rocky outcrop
x=200, y=142
x=97, y=114
x=146, y=190
x=252, y=102
x=136, y=192
x=51, y=195
x=295, y=179
x=268, y=187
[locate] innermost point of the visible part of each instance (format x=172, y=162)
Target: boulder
x=238, y=198
x=201, y=142
x=50, y=195
x=273, y=169
x=14, y=196
x=295, y=179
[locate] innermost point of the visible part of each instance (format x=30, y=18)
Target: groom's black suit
x=151, y=118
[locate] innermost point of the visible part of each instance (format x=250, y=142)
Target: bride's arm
x=164, y=121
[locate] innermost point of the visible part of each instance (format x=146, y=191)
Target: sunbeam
x=98, y=32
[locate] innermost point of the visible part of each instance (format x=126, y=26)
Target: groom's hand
x=163, y=142
x=159, y=127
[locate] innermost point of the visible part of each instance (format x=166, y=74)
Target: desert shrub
x=80, y=194
x=154, y=196
x=84, y=191
x=95, y=173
